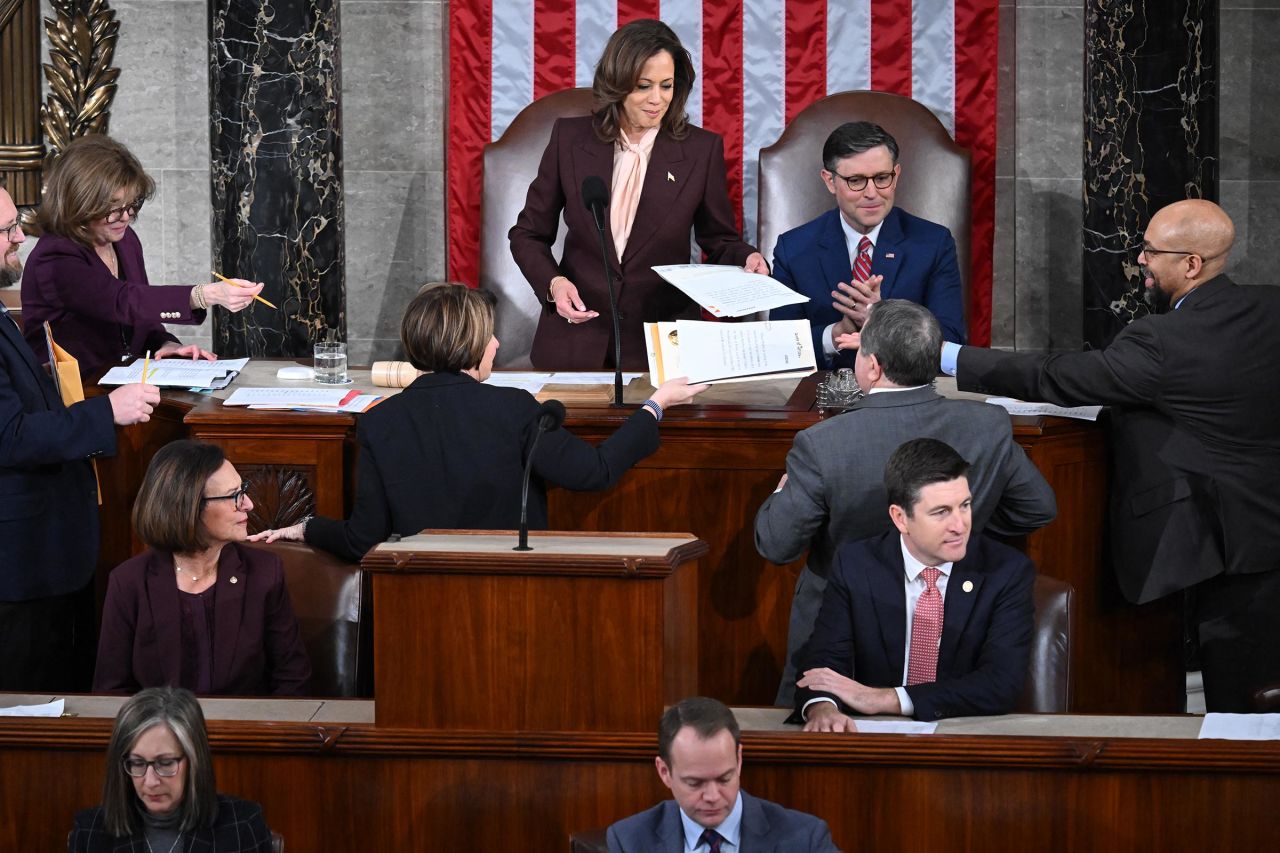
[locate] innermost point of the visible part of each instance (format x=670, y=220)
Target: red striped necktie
x=862, y=263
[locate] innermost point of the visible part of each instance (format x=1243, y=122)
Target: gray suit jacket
x=835, y=475
x=766, y=828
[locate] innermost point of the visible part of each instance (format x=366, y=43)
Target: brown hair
x=90, y=170
x=167, y=512
x=707, y=717
x=447, y=327
x=618, y=72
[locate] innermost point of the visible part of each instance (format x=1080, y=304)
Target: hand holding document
x=729, y=352
x=728, y=291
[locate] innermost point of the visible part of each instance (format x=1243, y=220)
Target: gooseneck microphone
x=550, y=416
x=595, y=195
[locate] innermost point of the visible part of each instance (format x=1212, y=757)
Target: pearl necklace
x=195, y=578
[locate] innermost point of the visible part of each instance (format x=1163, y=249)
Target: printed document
x=178, y=373
x=729, y=291
x=729, y=352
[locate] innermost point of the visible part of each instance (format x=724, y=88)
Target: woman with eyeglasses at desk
x=86, y=275
x=200, y=609
x=159, y=795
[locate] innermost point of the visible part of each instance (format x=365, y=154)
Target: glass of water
x=331, y=363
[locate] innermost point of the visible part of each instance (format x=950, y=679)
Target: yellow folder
x=65, y=371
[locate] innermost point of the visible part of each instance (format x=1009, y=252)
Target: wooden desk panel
x=352, y=788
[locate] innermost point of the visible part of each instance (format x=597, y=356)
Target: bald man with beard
x=1195, y=397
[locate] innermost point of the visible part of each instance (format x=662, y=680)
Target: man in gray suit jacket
x=833, y=490
x=700, y=760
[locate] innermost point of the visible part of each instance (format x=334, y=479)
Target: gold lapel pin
x=234, y=579
x=671, y=177
x=967, y=586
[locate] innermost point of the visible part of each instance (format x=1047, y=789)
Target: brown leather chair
x=1266, y=700
x=935, y=170
x=331, y=603
x=1050, y=678
x=277, y=843
x=510, y=165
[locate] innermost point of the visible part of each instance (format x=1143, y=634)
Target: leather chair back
x=1050, y=678
x=935, y=170
x=591, y=841
x=510, y=165
x=330, y=602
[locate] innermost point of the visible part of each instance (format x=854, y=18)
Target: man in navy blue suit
x=700, y=760
x=924, y=621
x=866, y=249
x=48, y=503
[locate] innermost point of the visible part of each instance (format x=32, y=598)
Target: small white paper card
x=48, y=709
x=1240, y=727
x=1019, y=407
x=895, y=727
x=729, y=291
x=287, y=397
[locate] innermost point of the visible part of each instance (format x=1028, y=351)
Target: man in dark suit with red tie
x=1194, y=393
x=48, y=503
x=924, y=621
x=866, y=249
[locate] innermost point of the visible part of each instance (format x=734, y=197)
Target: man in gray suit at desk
x=700, y=760
x=833, y=490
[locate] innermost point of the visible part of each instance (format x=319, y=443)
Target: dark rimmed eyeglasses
x=1148, y=249
x=133, y=208
x=237, y=496
x=166, y=766
x=7, y=231
x=857, y=183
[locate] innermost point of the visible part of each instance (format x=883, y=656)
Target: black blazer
x=1195, y=432
x=448, y=452
x=861, y=631
x=48, y=494
x=684, y=188
x=238, y=828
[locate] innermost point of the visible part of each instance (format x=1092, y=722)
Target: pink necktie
x=862, y=263
x=926, y=631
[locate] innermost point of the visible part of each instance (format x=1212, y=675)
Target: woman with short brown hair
x=198, y=609
x=86, y=275
x=666, y=178
x=449, y=451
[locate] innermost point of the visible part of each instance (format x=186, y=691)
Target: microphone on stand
x=595, y=195
x=550, y=416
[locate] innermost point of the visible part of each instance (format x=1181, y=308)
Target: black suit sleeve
x=566, y=460
x=33, y=438
x=832, y=643
x=370, y=521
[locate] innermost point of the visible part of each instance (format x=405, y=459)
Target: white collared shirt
x=730, y=830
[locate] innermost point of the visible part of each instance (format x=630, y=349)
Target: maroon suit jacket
x=684, y=188
x=94, y=315
x=256, y=646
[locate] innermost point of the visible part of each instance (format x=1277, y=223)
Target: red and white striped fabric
x=759, y=62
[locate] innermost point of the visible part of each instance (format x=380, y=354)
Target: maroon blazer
x=95, y=316
x=256, y=646
x=684, y=188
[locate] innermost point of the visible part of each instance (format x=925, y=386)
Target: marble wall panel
x=1048, y=264
x=277, y=169
x=1250, y=94
x=1050, y=91
x=395, y=243
x=187, y=240
x=1255, y=208
x=1005, y=265
x=393, y=85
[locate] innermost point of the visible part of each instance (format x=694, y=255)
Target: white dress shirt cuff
x=908, y=709
x=828, y=340
x=804, y=712
x=950, y=355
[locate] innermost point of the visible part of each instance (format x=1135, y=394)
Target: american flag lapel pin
x=888, y=256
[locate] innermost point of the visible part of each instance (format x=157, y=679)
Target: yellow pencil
x=233, y=284
x=146, y=363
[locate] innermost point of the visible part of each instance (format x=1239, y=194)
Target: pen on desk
x=233, y=284
x=146, y=362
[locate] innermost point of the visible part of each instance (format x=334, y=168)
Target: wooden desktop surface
x=719, y=460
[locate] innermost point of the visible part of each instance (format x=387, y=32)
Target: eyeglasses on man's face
x=237, y=497
x=133, y=208
x=8, y=231
x=166, y=766
x=1147, y=249
x=857, y=183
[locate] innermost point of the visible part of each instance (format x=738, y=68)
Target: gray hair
x=906, y=339
x=178, y=710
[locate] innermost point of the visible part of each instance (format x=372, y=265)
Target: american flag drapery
x=759, y=62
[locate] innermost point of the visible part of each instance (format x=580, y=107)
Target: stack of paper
x=1019, y=407
x=303, y=399
x=729, y=352
x=179, y=373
